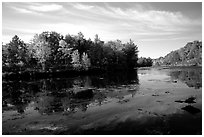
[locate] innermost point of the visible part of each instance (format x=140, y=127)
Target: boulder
x=84, y=93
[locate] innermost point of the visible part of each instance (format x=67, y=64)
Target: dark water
x=146, y=101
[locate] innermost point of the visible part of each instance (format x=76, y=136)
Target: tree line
x=51, y=51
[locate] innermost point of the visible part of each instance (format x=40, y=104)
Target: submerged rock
x=174, y=81
x=191, y=109
x=179, y=101
x=123, y=101
x=139, y=109
x=155, y=95
x=189, y=100
x=167, y=92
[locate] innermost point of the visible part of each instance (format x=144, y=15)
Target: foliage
x=95, y=52
x=41, y=50
x=86, y=64
x=76, y=60
x=50, y=51
x=131, y=54
x=14, y=55
x=65, y=52
x=83, y=64
x=144, y=62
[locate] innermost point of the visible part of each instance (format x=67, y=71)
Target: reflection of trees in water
x=18, y=94
x=192, y=77
x=49, y=103
x=115, y=79
x=46, y=104
x=57, y=95
x=84, y=81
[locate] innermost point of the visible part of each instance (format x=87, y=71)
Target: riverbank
x=34, y=75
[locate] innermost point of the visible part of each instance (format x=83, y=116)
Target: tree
x=42, y=50
x=86, y=64
x=50, y=50
x=16, y=51
x=131, y=53
x=83, y=64
x=115, y=45
x=80, y=44
x=53, y=38
x=76, y=60
x=97, y=39
x=95, y=52
x=145, y=62
x=5, y=60
x=118, y=58
x=46, y=47
x=65, y=51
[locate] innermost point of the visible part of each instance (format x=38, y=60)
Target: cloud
x=82, y=6
x=150, y=20
x=109, y=21
x=147, y=26
x=22, y=10
x=45, y=8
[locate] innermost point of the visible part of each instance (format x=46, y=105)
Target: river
x=145, y=101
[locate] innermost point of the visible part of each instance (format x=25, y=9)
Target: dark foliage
x=144, y=62
x=51, y=52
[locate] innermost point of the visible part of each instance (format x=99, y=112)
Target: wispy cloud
x=83, y=6
x=23, y=10
x=149, y=20
x=45, y=8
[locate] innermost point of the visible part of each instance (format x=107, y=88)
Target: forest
x=53, y=52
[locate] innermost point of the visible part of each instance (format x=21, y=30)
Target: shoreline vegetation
x=50, y=54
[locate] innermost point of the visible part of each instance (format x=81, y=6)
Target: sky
x=156, y=28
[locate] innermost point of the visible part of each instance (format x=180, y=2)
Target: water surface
x=146, y=101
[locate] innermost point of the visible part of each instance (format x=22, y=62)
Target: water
x=146, y=101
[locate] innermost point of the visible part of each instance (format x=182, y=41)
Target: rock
x=84, y=94
x=190, y=100
x=179, y=101
x=158, y=101
x=191, y=109
x=155, y=95
x=139, y=109
x=174, y=81
x=124, y=101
